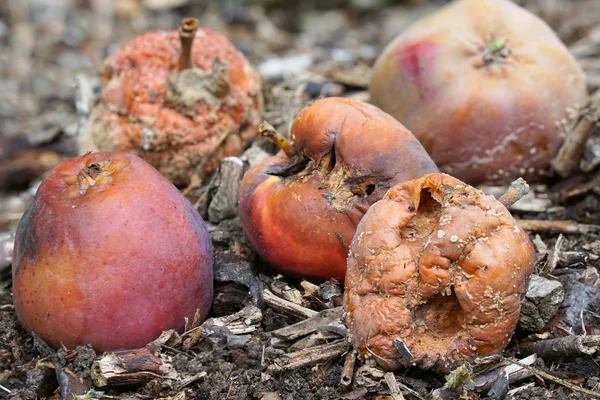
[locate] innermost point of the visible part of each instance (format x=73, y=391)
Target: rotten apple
x=486, y=87
x=111, y=254
x=180, y=100
x=300, y=207
x=436, y=274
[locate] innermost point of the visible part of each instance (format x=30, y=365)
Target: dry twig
x=587, y=122
x=310, y=325
x=557, y=226
x=556, y=380
x=279, y=304
x=392, y=383
x=568, y=346
x=310, y=356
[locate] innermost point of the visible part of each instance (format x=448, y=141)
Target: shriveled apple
x=109, y=254
x=436, y=273
x=181, y=100
x=485, y=86
x=300, y=208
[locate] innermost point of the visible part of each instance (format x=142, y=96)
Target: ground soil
x=303, y=50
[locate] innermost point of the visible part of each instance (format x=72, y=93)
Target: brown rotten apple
x=436, y=272
x=484, y=85
x=182, y=101
x=109, y=253
x=300, y=208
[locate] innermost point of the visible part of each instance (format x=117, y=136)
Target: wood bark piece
x=226, y=184
x=310, y=325
x=131, y=367
x=236, y=279
x=311, y=356
x=568, y=346
x=285, y=306
x=244, y=321
x=515, y=373
x=541, y=303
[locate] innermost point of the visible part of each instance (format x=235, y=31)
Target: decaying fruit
x=181, y=101
x=485, y=86
x=109, y=253
x=300, y=208
x=436, y=272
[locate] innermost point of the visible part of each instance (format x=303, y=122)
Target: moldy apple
x=182, y=101
x=436, y=273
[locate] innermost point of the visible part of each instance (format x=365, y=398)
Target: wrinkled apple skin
x=481, y=122
x=300, y=213
x=112, y=265
x=439, y=266
x=137, y=114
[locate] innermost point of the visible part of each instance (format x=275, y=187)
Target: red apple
x=485, y=86
x=109, y=254
x=300, y=209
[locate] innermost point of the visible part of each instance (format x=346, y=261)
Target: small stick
x=310, y=356
x=286, y=306
x=568, y=346
x=570, y=152
x=348, y=371
x=5, y=389
x=392, y=383
x=265, y=129
x=557, y=226
x=187, y=32
x=309, y=325
x=554, y=379
x=514, y=193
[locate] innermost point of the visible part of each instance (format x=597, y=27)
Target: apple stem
x=87, y=176
x=93, y=173
x=514, y=193
x=187, y=32
x=265, y=129
x=494, y=50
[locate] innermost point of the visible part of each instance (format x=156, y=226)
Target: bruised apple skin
x=109, y=254
x=485, y=86
x=436, y=273
x=300, y=209
x=182, y=101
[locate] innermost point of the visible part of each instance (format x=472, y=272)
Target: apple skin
x=182, y=134
x=300, y=212
x=111, y=264
x=439, y=266
x=485, y=85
